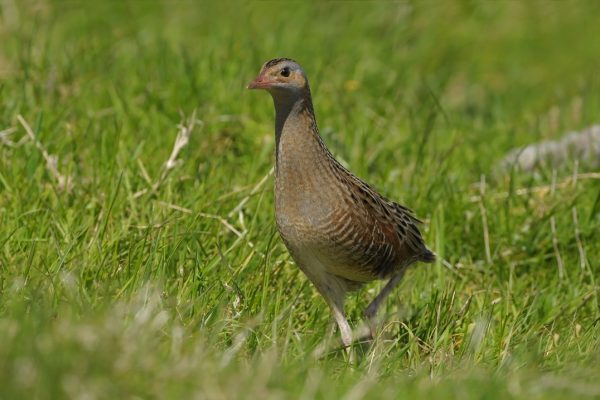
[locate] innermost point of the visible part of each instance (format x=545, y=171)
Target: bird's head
x=281, y=77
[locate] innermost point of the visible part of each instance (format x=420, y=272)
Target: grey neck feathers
x=294, y=115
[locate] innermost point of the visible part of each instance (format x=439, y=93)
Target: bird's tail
x=427, y=256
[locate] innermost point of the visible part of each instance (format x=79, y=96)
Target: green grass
x=109, y=289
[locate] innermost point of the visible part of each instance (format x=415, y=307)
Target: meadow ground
x=122, y=278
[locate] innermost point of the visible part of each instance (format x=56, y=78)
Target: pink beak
x=261, y=82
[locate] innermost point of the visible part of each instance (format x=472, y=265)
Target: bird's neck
x=296, y=129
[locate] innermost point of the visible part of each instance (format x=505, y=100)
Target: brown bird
x=338, y=229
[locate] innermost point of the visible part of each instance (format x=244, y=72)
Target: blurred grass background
x=109, y=289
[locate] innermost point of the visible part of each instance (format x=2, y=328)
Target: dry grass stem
x=484, y=222
x=582, y=257
x=4, y=134
x=559, y=260
x=181, y=141
x=254, y=190
x=540, y=190
x=63, y=182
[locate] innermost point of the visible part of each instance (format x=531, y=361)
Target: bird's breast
x=303, y=205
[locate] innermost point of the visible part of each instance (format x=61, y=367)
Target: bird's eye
x=285, y=72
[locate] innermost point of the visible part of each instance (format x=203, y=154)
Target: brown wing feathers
x=393, y=240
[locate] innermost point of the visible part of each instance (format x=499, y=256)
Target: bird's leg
x=333, y=292
x=371, y=310
x=337, y=309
